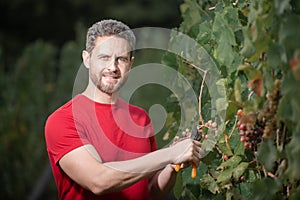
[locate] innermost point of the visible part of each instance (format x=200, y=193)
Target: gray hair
x=109, y=27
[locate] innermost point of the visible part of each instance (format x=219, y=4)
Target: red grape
x=239, y=112
x=243, y=139
x=242, y=127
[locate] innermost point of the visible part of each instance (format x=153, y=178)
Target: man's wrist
x=171, y=168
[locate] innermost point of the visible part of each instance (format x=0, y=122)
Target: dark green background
x=40, y=52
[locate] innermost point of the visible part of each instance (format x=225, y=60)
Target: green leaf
x=224, y=34
x=209, y=182
x=295, y=194
x=186, y=174
x=224, y=53
x=191, y=14
x=237, y=90
x=209, y=144
x=232, y=17
x=236, y=145
x=225, y=176
x=293, y=151
x=273, y=53
x=187, y=194
x=240, y=170
x=240, y=149
x=221, y=89
x=237, y=61
x=221, y=104
x=266, y=188
x=231, y=162
x=225, y=37
x=222, y=30
x=246, y=190
x=225, y=149
x=229, y=195
x=267, y=154
x=250, y=71
x=281, y=6
x=204, y=34
x=248, y=48
x=178, y=187
x=290, y=93
x=231, y=110
x=289, y=32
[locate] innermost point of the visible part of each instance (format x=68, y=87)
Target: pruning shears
x=195, y=135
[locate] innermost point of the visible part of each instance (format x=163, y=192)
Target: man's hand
x=186, y=151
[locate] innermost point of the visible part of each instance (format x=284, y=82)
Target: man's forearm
x=108, y=177
x=125, y=173
x=162, y=183
x=133, y=170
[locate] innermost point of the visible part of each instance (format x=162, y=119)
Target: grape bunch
x=201, y=130
x=250, y=134
x=267, y=116
x=254, y=127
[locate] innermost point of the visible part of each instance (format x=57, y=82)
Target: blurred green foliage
x=28, y=95
x=40, y=54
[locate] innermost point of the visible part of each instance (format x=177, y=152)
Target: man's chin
x=109, y=90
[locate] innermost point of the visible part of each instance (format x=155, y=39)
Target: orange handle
x=194, y=171
x=177, y=168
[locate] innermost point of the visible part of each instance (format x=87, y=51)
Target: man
x=101, y=147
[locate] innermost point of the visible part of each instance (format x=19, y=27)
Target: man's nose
x=113, y=64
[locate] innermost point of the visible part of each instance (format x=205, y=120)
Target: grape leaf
x=178, y=187
x=240, y=170
x=209, y=182
x=231, y=162
x=221, y=30
x=293, y=148
x=281, y=6
x=267, y=154
x=266, y=188
x=204, y=34
x=248, y=48
x=225, y=176
x=225, y=149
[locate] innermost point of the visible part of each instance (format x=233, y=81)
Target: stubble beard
x=108, y=88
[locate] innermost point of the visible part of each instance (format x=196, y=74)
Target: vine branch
x=201, y=90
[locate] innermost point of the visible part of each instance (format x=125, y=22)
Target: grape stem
x=271, y=175
x=234, y=125
x=201, y=89
x=218, y=149
x=283, y=137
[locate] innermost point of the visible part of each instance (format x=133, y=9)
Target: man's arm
x=86, y=168
x=162, y=182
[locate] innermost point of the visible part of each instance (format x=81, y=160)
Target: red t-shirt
x=117, y=131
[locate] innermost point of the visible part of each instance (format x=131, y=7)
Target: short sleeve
x=62, y=135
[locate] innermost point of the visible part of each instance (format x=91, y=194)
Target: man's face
x=109, y=63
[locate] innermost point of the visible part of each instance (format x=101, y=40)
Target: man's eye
x=104, y=58
x=123, y=59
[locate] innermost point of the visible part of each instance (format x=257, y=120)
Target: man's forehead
x=108, y=43
x=110, y=39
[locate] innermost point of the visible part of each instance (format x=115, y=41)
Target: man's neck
x=98, y=96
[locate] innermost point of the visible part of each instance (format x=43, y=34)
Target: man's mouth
x=111, y=76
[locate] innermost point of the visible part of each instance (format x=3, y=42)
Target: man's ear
x=131, y=62
x=86, y=58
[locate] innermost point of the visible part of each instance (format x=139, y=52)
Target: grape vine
x=255, y=46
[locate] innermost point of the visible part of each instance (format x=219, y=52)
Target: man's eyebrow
x=102, y=55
